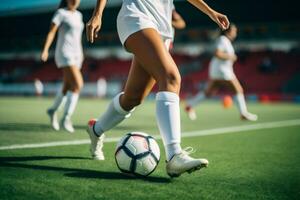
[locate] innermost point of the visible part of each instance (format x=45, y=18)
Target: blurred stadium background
x=268, y=48
x=253, y=160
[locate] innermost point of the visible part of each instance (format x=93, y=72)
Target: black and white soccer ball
x=137, y=153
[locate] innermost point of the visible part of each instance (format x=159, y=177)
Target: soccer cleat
x=66, y=123
x=53, y=119
x=249, y=116
x=182, y=162
x=191, y=113
x=96, y=141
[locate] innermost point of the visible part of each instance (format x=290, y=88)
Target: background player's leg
x=75, y=81
x=240, y=100
x=200, y=96
x=59, y=101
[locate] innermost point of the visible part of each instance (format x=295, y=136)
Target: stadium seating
x=194, y=70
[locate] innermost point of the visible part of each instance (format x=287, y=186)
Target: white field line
x=216, y=131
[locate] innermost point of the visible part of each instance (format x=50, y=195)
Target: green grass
x=260, y=164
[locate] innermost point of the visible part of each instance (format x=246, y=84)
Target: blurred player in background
x=143, y=28
x=221, y=74
x=67, y=20
x=39, y=87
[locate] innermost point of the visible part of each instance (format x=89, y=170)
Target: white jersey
x=68, y=50
x=136, y=15
x=222, y=69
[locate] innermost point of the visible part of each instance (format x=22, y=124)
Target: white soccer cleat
x=66, y=123
x=191, y=113
x=53, y=119
x=96, y=142
x=181, y=163
x=249, y=116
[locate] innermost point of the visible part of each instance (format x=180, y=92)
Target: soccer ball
x=137, y=153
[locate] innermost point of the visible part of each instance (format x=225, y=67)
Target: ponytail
x=223, y=32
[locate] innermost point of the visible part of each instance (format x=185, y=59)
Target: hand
x=220, y=19
x=44, y=56
x=92, y=28
x=234, y=58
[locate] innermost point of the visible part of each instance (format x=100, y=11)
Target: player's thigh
x=72, y=76
x=150, y=51
x=212, y=87
x=138, y=85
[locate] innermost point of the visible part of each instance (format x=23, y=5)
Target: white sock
x=59, y=100
x=196, y=100
x=241, y=103
x=168, y=120
x=113, y=115
x=72, y=99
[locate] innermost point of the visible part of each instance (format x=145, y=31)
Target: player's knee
x=76, y=87
x=170, y=81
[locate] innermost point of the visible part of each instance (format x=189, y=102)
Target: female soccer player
x=143, y=28
x=68, y=57
x=221, y=74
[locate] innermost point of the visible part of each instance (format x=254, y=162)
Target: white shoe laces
x=188, y=150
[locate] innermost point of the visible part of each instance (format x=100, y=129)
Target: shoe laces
x=188, y=150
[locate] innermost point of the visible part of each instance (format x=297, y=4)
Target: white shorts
x=67, y=61
x=131, y=20
x=221, y=75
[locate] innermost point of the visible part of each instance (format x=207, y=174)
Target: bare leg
x=200, y=96
x=73, y=83
x=240, y=99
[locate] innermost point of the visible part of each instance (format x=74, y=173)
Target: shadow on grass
x=115, y=176
x=37, y=158
x=72, y=172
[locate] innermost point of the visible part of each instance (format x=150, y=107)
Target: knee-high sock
x=196, y=99
x=168, y=120
x=113, y=115
x=59, y=101
x=241, y=103
x=72, y=99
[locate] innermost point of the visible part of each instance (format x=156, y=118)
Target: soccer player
x=143, y=28
x=221, y=74
x=67, y=20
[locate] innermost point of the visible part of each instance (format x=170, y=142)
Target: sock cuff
x=72, y=94
x=167, y=96
x=118, y=107
x=239, y=95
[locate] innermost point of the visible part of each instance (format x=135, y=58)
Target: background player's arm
x=219, y=18
x=48, y=42
x=225, y=56
x=94, y=24
x=177, y=21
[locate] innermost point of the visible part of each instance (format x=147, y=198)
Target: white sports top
x=69, y=33
x=223, y=44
